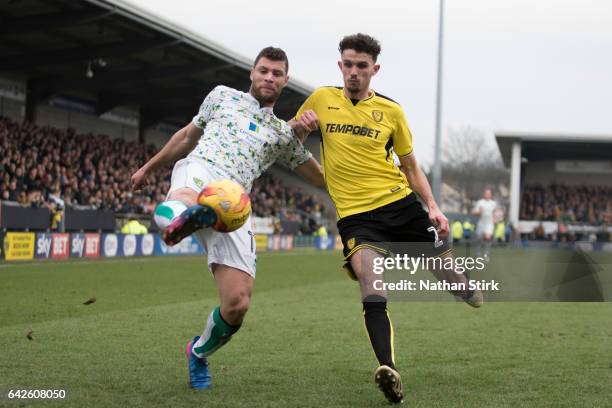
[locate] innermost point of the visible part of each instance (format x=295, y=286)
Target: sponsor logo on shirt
x=253, y=127
x=355, y=130
x=198, y=182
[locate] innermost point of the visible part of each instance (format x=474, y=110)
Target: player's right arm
x=179, y=145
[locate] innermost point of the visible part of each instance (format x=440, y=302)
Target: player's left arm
x=311, y=170
x=418, y=182
x=402, y=146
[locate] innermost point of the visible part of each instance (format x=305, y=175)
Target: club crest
x=350, y=243
x=377, y=115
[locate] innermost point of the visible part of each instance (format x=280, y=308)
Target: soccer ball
x=229, y=201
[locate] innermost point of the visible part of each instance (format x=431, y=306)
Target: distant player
x=374, y=198
x=235, y=135
x=485, y=210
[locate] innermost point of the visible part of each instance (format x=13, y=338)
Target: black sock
x=379, y=328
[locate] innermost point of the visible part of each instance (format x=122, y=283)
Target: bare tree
x=470, y=163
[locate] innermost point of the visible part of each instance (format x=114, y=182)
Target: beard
x=353, y=87
x=268, y=98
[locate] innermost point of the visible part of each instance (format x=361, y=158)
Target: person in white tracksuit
x=485, y=210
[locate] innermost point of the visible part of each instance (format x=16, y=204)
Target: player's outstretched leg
x=473, y=298
x=177, y=221
x=190, y=220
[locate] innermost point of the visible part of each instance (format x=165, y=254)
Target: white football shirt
x=486, y=208
x=241, y=139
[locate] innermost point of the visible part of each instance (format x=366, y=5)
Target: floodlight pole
x=437, y=166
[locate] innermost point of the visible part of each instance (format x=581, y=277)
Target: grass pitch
x=303, y=343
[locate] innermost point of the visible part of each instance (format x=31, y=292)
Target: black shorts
x=399, y=227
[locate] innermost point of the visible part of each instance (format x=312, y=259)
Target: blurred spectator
x=271, y=198
x=133, y=226
x=457, y=231
x=500, y=232
x=468, y=229
x=539, y=232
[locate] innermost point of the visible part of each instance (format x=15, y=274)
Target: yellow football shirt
x=356, y=149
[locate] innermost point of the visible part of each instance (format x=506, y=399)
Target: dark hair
x=361, y=43
x=274, y=54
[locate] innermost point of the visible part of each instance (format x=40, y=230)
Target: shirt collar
x=256, y=103
x=367, y=99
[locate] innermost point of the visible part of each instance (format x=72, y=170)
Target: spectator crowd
x=585, y=204
x=46, y=166
x=270, y=197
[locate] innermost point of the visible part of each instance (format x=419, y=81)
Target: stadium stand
x=54, y=168
x=590, y=204
x=560, y=186
x=108, y=57
x=86, y=95
x=549, y=159
x=45, y=166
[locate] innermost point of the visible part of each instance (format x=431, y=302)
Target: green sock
x=167, y=211
x=216, y=334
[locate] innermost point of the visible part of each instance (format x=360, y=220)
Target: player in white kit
x=236, y=136
x=485, y=210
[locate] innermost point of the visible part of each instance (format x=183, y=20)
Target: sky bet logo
x=352, y=129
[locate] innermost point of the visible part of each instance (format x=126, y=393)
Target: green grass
x=303, y=343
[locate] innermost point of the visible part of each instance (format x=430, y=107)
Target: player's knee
x=237, y=306
x=186, y=195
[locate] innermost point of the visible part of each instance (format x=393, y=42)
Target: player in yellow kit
x=374, y=199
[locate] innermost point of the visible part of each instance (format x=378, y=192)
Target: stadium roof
x=540, y=146
x=135, y=58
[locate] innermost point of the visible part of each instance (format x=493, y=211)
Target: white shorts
x=484, y=229
x=235, y=249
